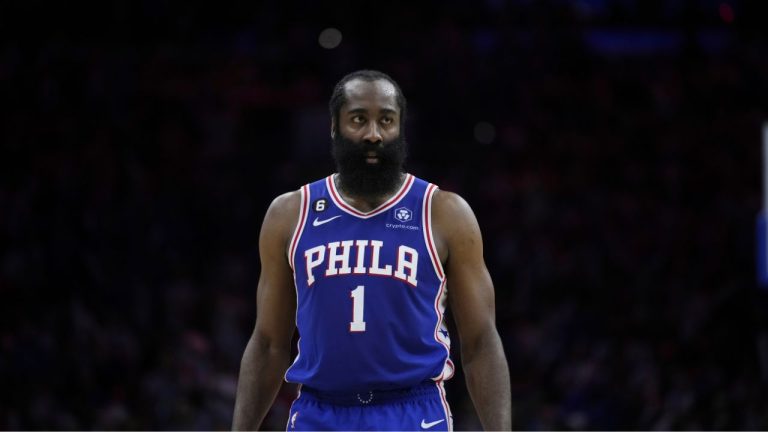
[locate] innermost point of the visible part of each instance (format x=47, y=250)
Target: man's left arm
x=471, y=297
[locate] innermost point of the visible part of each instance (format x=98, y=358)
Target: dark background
x=610, y=149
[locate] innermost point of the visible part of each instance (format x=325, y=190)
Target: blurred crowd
x=616, y=184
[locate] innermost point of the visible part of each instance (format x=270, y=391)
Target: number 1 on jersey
x=358, y=302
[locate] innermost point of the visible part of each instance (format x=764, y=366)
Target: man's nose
x=373, y=133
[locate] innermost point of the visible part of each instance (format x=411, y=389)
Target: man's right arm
x=267, y=354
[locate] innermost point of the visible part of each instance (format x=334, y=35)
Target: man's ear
x=333, y=128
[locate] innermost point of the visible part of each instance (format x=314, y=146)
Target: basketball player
x=362, y=262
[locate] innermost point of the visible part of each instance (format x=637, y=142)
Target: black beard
x=358, y=177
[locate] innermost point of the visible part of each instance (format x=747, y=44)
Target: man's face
x=367, y=143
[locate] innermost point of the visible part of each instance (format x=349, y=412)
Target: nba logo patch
x=293, y=420
x=403, y=214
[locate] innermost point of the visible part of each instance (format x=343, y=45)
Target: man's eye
x=358, y=119
x=386, y=120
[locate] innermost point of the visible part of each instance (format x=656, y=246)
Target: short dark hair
x=338, y=98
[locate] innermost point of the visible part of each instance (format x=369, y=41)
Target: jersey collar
x=389, y=203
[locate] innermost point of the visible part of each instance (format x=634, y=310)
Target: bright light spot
x=485, y=132
x=329, y=38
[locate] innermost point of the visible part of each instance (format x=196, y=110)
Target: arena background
x=610, y=148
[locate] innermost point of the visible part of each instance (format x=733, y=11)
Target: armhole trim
x=303, y=210
x=429, y=238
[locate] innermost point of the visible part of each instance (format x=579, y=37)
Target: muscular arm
x=267, y=354
x=471, y=297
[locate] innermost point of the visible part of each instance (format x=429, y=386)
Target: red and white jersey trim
x=444, y=402
x=303, y=211
x=339, y=201
x=440, y=300
x=442, y=295
x=429, y=238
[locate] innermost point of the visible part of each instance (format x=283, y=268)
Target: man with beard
x=362, y=263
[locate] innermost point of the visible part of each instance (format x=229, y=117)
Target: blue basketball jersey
x=370, y=292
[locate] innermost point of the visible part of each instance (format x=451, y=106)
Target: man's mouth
x=372, y=157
